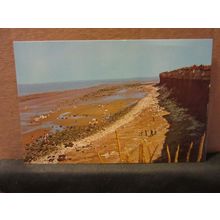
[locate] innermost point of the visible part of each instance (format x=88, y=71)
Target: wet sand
x=53, y=112
x=134, y=127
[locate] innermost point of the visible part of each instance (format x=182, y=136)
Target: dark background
x=181, y=177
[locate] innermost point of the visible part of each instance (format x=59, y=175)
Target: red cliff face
x=190, y=88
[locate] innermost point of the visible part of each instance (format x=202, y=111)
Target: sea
x=29, y=89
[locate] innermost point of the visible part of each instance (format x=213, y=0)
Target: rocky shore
x=79, y=118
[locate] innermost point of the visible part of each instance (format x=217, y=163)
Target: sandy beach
x=132, y=131
x=90, y=122
x=117, y=123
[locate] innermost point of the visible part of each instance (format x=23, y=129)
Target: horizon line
x=113, y=79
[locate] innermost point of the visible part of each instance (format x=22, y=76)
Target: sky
x=65, y=61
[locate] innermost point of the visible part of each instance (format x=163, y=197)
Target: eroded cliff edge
x=190, y=88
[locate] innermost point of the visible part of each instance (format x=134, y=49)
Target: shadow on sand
x=184, y=129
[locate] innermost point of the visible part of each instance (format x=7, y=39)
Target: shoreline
x=148, y=101
x=57, y=92
x=84, y=85
x=87, y=120
x=51, y=101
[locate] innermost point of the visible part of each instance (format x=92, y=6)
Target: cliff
x=190, y=88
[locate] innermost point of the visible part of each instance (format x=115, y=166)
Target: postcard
x=113, y=101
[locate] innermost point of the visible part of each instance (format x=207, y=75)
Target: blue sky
x=61, y=61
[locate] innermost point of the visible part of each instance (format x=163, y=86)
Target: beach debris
x=70, y=144
x=113, y=153
x=107, y=117
x=106, y=155
x=51, y=158
x=64, y=116
x=41, y=117
x=45, y=137
x=93, y=122
x=61, y=157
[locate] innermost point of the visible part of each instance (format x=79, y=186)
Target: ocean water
x=28, y=89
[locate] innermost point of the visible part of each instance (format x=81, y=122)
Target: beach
x=86, y=125
x=112, y=101
x=131, y=122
